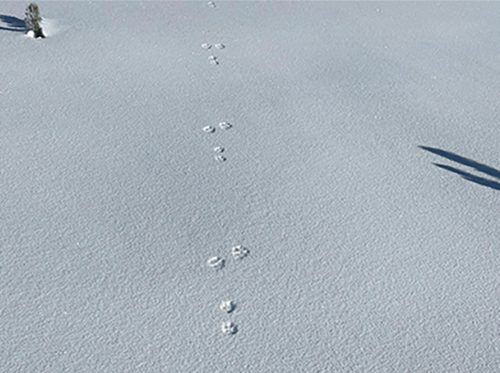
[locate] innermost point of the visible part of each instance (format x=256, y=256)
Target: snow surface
x=361, y=173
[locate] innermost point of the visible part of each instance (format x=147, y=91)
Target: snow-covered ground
x=361, y=172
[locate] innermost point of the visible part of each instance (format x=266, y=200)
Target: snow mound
x=50, y=27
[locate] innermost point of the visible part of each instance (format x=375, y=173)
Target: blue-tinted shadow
x=469, y=163
x=9, y=23
x=470, y=177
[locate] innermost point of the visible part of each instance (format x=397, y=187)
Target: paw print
x=213, y=60
x=239, y=252
x=216, y=262
x=229, y=328
x=225, y=125
x=227, y=306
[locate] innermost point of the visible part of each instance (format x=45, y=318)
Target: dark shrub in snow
x=33, y=19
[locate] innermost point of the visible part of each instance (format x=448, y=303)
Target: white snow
x=362, y=173
x=51, y=27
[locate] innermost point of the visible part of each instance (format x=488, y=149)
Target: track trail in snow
x=217, y=263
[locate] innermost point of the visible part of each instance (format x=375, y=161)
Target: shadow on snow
x=9, y=23
x=469, y=163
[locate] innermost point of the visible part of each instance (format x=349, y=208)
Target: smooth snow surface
x=50, y=27
x=360, y=171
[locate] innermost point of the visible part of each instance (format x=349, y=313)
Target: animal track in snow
x=220, y=158
x=229, y=328
x=213, y=60
x=225, y=125
x=208, y=129
x=219, y=149
x=208, y=46
x=216, y=262
x=227, y=306
x=239, y=252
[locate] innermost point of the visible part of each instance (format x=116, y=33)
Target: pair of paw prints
x=228, y=327
x=239, y=252
x=222, y=126
x=213, y=60
x=218, y=150
x=227, y=306
x=208, y=46
x=218, y=156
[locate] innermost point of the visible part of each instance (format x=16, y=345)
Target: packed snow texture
x=363, y=174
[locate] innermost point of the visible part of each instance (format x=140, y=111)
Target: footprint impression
x=238, y=252
x=213, y=59
x=217, y=263
x=218, y=150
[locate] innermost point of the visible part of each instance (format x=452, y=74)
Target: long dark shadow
x=12, y=23
x=470, y=177
x=469, y=163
